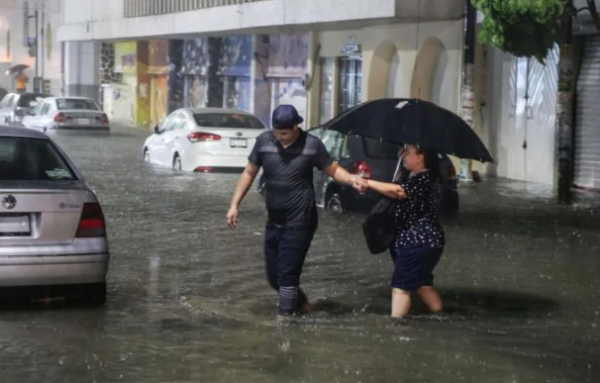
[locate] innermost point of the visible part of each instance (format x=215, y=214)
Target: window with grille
x=349, y=83
x=326, y=106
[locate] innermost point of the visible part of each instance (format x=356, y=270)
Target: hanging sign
x=351, y=47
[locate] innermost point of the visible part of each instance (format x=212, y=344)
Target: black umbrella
x=411, y=121
x=16, y=69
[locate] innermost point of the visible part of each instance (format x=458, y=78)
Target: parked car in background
x=52, y=228
x=204, y=140
x=67, y=113
x=372, y=159
x=15, y=106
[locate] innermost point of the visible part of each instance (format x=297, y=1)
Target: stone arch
x=425, y=69
x=379, y=71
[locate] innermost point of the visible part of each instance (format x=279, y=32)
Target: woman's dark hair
x=432, y=163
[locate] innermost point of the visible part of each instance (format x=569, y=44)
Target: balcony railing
x=141, y=8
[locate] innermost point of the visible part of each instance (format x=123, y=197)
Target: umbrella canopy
x=16, y=69
x=412, y=121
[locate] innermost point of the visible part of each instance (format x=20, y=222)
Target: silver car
x=67, y=113
x=52, y=228
x=15, y=106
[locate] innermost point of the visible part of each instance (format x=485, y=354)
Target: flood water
x=188, y=300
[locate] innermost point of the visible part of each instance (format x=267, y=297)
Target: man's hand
x=232, y=217
x=341, y=175
x=240, y=191
x=360, y=184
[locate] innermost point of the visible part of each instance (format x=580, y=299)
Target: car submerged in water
x=204, y=140
x=52, y=228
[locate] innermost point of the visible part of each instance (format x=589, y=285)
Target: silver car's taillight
x=91, y=223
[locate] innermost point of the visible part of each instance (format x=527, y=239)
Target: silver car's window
x=45, y=108
x=26, y=99
x=5, y=101
x=36, y=111
x=75, y=104
x=10, y=101
x=227, y=120
x=32, y=159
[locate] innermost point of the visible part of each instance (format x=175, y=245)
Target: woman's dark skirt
x=413, y=266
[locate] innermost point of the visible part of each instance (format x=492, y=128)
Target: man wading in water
x=288, y=155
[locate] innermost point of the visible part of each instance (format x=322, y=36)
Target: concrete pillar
x=82, y=69
x=215, y=77
x=175, y=78
x=313, y=81
x=260, y=101
x=142, y=94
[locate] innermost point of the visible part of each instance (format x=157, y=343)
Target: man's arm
x=338, y=173
x=244, y=184
x=324, y=162
x=241, y=189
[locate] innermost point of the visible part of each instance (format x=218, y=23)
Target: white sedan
x=204, y=140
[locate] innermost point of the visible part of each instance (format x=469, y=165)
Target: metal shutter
x=587, y=129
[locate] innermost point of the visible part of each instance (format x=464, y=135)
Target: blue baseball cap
x=285, y=117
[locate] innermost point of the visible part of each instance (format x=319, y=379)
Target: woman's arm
x=387, y=189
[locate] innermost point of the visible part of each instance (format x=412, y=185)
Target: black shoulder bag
x=379, y=226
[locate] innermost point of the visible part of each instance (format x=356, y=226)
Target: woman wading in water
x=419, y=242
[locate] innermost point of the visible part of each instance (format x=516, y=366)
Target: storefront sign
x=351, y=47
x=125, y=57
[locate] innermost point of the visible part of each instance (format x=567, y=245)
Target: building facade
x=516, y=111
x=322, y=57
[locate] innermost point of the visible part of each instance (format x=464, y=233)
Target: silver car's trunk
x=41, y=212
x=82, y=117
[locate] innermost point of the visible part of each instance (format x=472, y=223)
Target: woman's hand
x=388, y=189
x=397, y=191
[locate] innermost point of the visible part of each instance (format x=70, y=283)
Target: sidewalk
x=117, y=125
x=498, y=190
x=528, y=202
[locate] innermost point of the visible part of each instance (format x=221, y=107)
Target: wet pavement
x=188, y=301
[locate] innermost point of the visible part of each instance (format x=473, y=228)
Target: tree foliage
x=524, y=28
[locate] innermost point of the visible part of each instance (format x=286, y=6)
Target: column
x=313, y=80
x=215, y=77
x=82, y=69
x=260, y=102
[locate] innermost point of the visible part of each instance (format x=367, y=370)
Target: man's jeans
x=285, y=252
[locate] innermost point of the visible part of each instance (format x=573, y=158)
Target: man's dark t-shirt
x=288, y=174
